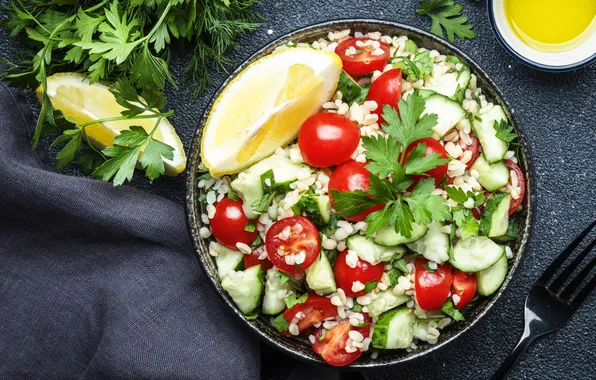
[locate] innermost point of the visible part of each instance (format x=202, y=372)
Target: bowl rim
x=526, y=61
x=190, y=182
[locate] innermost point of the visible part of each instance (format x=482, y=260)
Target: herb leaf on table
x=446, y=15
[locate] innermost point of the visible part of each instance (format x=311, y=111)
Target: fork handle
x=523, y=343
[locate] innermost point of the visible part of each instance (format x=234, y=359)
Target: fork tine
x=581, y=276
x=581, y=296
x=550, y=271
x=556, y=285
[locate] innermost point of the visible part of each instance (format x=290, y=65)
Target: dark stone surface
x=558, y=114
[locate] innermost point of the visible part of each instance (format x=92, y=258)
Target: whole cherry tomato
x=229, y=223
x=327, y=139
x=386, y=90
x=432, y=286
x=350, y=176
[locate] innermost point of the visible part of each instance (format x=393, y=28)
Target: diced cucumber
x=248, y=183
x=495, y=217
x=511, y=234
x=491, y=279
x=319, y=276
x=386, y=300
x=434, y=245
x=492, y=177
x=462, y=84
x=494, y=149
x=453, y=85
x=476, y=253
x=388, y=237
x=424, y=93
x=226, y=259
x=374, y=253
x=316, y=207
x=349, y=87
x=271, y=304
x=448, y=112
x=394, y=329
x=245, y=288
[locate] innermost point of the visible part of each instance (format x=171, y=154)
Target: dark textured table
x=558, y=114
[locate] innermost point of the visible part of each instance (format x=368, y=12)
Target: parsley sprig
x=446, y=15
x=391, y=173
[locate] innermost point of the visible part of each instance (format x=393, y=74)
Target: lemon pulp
x=552, y=25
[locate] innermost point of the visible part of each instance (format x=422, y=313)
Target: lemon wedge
x=74, y=96
x=264, y=106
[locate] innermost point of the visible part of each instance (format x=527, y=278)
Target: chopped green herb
x=250, y=227
x=449, y=309
x=291, y=299
x=281, y=323
x=261, y=205
x=257, y=242
x=504, y=131
x=369, y=286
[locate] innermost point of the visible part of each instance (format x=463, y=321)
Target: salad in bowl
x=366, y=198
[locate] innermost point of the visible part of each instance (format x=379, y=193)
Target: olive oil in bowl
x=552, y=25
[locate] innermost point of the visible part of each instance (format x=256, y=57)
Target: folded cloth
x=101, y=282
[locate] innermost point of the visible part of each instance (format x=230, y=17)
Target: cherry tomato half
x=363, y=62
x=331, y=344
x=432, y=286
x=315, y=310
x=228, y=225
x=386, y=90
x=350, y=176
x=464, y=285
x=327, y=139
x=521, y=183
x=253, y=259
x=432, y=146
x=295, y=236
x=364, y=272
x=473, y=148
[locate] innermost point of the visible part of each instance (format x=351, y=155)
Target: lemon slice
x=74, y=96
x=265, y=105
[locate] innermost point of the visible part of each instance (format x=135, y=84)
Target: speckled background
x=558, y=114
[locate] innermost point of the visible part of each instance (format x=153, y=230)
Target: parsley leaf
x=426, y=206
x=261, y=205
x=369, y=286
x=504, y=131
x=446, y=14
x=418, y=164
x=383, y=154
x=417, y=67
x=450, y=310
x=121, y=166
x=71, y=149
x=152, y=158
x=407, y=126
x=461, y=196
x=281, y=323
x=250, y=227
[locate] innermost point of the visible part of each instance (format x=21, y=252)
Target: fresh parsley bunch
x=129, y=40
x=391, y=173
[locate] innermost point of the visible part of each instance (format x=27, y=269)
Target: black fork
x=547, y=307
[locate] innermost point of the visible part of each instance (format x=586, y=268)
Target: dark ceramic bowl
x=301, y=348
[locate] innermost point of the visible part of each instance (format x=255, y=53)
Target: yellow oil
x=552, y=25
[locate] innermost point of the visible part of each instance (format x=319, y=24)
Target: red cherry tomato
x=432, y=287
x=327, y=139
x=315, y=310
x=350, y=176
x=432, y=146
x=386, y=90
x=295, y=236
x=331, y=344
x=363, y=62
x=464, y=285
x=473, y=147
x=364, y=272
x=253, y=259
x=521, y=183
x=228, y=225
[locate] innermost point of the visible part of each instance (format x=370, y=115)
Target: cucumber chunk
x=511, y=234
x=248, y=183
x=452, y=85
x=271, y=304
x=476, y=253
x=394, y=329
x=434, y=245
x=245, y=288
x=495, y=217
x=386, y=300
x=494, y=149
x=388, y=237
x=349, y=88
x=319, y=276
x=226, y=259
x=374, y=253
x=492, y=177
x=448, y=112
x=316, y=207
x=491, y=279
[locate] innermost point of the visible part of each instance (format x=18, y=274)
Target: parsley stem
x=157, y=24
x=96, y=6
x=91, y=145
x=116, y=118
